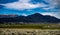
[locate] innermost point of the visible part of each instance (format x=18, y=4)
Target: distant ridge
x=34, y=18
x=8, y=16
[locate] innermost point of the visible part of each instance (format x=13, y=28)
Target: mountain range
x=34, y=18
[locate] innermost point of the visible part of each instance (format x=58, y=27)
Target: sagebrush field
x=32, y=26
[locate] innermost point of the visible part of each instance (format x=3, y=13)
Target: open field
x=29, y=29
x=31, y=26
x=28, y=32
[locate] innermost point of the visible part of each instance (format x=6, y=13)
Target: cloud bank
x=27, y=4
x=23, y=4
x=55, y=14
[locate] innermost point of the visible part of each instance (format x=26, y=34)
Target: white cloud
x=24, y=14
x=46, y=8
x=55, y=14
x=23, y=4
x=52, y=4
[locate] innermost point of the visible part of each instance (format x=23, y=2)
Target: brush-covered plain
x=31, y=26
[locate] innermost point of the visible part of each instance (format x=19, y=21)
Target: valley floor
x=31, y=26
x=6, y=31
x=29, y=29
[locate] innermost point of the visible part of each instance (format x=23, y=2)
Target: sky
x=28, y=7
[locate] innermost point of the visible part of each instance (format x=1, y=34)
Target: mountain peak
x=37, y=14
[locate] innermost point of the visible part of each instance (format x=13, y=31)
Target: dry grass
x=28, y=32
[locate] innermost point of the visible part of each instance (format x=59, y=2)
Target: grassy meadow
x=31, y=26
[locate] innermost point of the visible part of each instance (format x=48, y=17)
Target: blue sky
x=27, y=7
